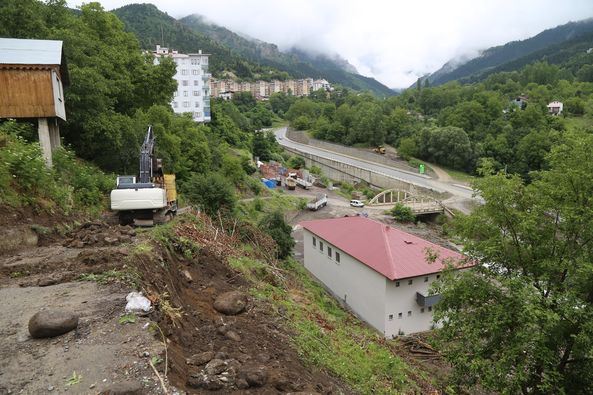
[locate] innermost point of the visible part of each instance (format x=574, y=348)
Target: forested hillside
x=247, y=59
x=498, y=57
x=464, y=127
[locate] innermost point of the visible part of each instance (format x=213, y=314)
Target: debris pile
x=419, y=348
x=99, y=234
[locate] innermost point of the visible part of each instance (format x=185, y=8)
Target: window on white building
x=337, y=257
x=184, y=72
x=409, y=313
x=175, y=94
x=184, y=82
x=185, y=93
x=329, y=252
x=195, y=82
x=186, y=104
x=426, y=279
x=399, y=315
x=196, y=93
x=390, y=317
x=410, y=282
x=314, y=242
x=422, y=309
x=197, y=104
x=321, y=246
x=397, y=283
x=194, y=61
x=204, y=60
x=195, y=72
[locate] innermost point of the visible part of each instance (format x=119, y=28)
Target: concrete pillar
x=54, y=134
x=45, y=140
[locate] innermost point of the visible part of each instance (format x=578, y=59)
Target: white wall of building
x=402, y=313
x=193, y=87
x=354, y=283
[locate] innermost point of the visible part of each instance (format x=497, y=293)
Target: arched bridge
x=418, y=204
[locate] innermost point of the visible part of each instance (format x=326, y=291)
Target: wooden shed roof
x=26, y=53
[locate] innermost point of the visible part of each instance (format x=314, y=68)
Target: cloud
x=394, y=41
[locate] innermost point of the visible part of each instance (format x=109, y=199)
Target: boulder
x=256, y=376
x=231, y=303
x=216, y=366
x=124, y=388
x=50, y=323
x=201, y=358
x=233, y=336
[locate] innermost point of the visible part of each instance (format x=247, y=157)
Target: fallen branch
x=160, y=378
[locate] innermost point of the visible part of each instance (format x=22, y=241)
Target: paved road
x=398, y=174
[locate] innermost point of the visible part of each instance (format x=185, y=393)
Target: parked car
x=356, y=203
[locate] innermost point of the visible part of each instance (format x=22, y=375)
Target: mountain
x=245, y=57
x=296, y=62
x=495, y=57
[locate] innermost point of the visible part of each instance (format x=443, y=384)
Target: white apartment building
x=193, y=87
x=380, y=272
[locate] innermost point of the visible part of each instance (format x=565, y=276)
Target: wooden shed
x=33, y=74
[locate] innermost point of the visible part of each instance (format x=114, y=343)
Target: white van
x=356, y=203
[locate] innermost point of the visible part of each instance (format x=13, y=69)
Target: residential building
x=33, y=74
x=381, y=273
x=520, y=101
x=193, y=87
x=290, y=87
x=275, y=87
x=320, y=84
x=555, y=108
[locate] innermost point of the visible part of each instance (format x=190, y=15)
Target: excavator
x=150, y=198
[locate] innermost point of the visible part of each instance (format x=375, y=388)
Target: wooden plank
x=26, y=94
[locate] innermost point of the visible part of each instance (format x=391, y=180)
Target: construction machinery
x=317, y=202
x=379, y=150
x=149, y=199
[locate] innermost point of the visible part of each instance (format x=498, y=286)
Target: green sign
x=421, y=168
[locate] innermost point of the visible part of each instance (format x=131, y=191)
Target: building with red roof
x=383, y=274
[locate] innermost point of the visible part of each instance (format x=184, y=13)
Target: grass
x=127, y=319
x=253, y=210
x=459, y=175
x=325, y=334
x=126, y=276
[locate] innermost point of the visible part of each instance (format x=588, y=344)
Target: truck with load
x=149, y=199
x=290, y=183
x=317, y=202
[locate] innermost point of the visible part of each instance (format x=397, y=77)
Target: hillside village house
x=555, y=108
x=380, y=272
x=193, y=86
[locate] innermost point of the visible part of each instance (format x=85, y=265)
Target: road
x=398, y=174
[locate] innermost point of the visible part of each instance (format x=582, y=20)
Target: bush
x=315, y=170
x=402, y=213
x=296, y=162
x=211, y=191
x=274, y=225
x=407, y=148
x=302, y=123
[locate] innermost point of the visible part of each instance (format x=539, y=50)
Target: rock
x=201, y=358
x=231, y=303
x=233, y=336
x=221, y=355
x=256, y=376
x=47, y=281
x=216, y=366
x=50, y=323
x=204, y=381
x=187, y=276
x=124, y=388
x=110, y=240
x=242, y=384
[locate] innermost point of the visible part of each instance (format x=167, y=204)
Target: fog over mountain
x=392, y=41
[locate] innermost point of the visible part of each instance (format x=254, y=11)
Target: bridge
x=418, y=204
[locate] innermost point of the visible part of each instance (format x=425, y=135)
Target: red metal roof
x=389, y=251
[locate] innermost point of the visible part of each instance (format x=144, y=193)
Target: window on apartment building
x=314, y=242
x=195, y=72
x=175, y=94
x=426, y=279
x=422, y=309
x=337, y=257
x=429, y=308
x=184, y=83
x=196, y=93
x=194, y=61
x=329, y=251
x=195, y=82
x=410, y=282
x=399, y=315
x=321, y=246
x=185, y=93
x=204, y=60
x=438, y=276
x=409, y=313
x=390, y=317
x=397, y=283
x=183, y=71
x=185, y=104
x=197, y=104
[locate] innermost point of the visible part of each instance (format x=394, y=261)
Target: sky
x=393, y=41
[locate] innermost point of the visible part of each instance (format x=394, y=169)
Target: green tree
x=521, y=321
x=402, y=213
x=407, y=148
x=213, y=192
x=275, y=225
